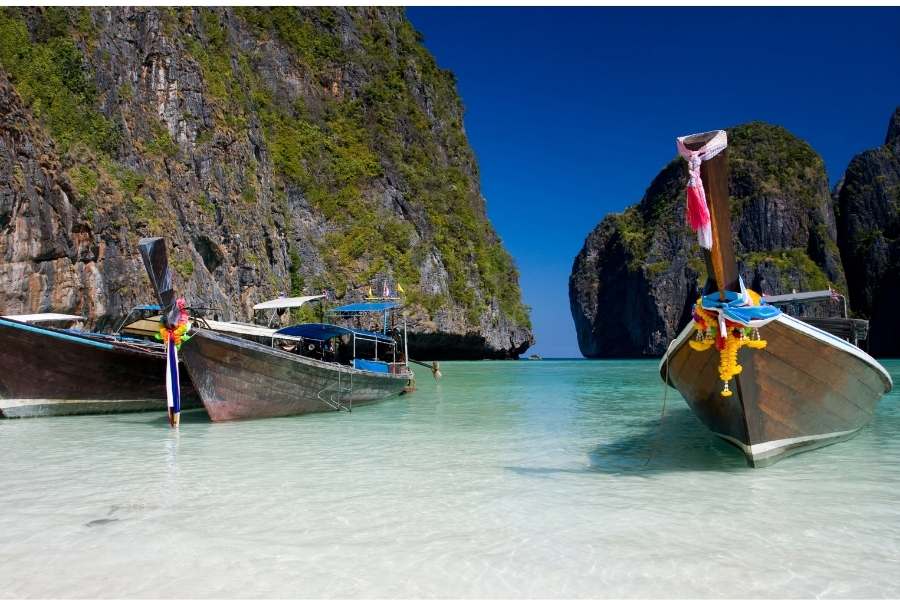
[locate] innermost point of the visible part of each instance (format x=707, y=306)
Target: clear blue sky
x=571, y=112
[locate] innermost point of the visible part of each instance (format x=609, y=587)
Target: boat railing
x=797, y=300
x=335, y=399
x=803, y=306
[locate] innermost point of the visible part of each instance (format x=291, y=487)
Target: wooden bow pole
x=721, y=267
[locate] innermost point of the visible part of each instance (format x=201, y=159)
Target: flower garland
x=178, y=333
x=706, y=324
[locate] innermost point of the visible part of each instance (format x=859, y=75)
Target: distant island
x=634, y=282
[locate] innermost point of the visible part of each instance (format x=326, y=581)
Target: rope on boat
x=434, y=367
x=662, y=415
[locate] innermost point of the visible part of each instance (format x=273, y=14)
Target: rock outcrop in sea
x=281, y=150
x=634, y=282
x=868, y=209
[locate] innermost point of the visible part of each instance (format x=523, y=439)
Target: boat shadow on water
x=678, y=443
x=193, y=416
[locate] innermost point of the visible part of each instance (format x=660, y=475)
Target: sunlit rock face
x=278, y=151
x=634, y=282
x=868, y=207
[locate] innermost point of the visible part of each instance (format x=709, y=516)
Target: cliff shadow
x=442, y=345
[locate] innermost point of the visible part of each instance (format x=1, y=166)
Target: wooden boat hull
x=241, y=379
x=805, y=390
x=53, y=372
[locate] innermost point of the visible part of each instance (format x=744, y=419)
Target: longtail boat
x=306, y=368
x=53, y=371
x=768, y=383
x=149, y=326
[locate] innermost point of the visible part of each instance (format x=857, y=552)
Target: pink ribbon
x=697, y=212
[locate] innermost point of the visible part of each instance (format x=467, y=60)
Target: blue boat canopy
x=326, y=331
x=147, y=307
x=363, y=307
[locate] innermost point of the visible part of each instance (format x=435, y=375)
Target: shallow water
x=504, y=480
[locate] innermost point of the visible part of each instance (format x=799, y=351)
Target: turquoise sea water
x=506, y=479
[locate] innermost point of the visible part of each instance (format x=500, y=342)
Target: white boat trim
x=43, y=317
x=241, y=328
x=295, y=302
x=803, y=328
x=844, y=345
x=675, y=344
x=18, y=408
x=766, y=448
x=235, y=327
x=7, y=403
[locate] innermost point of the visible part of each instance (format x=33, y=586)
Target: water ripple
x=505, y=480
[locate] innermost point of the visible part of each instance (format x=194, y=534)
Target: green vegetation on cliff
x=775, y=161
x=340, y=146
x=765, y=161
x=640, y=271
x=50, y=74
x=338, y=119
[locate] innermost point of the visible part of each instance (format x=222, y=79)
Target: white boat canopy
x=295, y=302
x=240, y=328
x=43, y=317
x=151, y=324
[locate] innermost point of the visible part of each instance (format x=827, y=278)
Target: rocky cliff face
x=639, y=272
x=278, y=150
x=868, y=205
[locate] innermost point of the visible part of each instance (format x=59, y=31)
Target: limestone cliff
x=278, y=150
x=868, y=206
x=635, y=279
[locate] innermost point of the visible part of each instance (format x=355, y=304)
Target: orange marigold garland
x=179, y=332
x=706, y=324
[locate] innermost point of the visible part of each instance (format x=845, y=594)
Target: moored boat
x=769, y=383
x=241, y=379
x=49, y=371
x=312, y=367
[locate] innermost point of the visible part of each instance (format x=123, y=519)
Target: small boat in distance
x=768, y=383
x=311, y=367
x=50, y=371
x=535, y=357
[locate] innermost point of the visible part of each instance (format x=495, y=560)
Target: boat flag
x=173, y=387
x=697, y=210
x=173, y=334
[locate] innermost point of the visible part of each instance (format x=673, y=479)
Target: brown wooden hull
x=806, y=389
x=51, y=372
x=241, y=379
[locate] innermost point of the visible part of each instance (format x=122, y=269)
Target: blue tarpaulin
x=371, y=365
x=737, y=307
x=365, y=307
x=326, y=331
